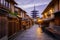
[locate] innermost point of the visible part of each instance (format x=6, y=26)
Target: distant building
x=34, y=13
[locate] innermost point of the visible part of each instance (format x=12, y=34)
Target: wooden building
x=48, y=15
x=6, y=6
x=24, y=20
x=18, y=11
x=10, y=19
x=52, y=7
x=3, y=19
x=29, y=21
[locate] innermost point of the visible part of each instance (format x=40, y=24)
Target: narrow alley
x=29, y=19
x=34, y=33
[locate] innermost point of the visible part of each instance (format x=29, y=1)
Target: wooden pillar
x=3, y=26
x=58, y=5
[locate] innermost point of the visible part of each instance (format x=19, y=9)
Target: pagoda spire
x=34, y=13
x=34, y=6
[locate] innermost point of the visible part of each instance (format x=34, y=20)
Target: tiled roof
x=11, y=1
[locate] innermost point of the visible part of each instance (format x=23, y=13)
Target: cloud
x=32, y=5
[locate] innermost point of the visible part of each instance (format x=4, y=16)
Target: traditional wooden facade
x=3, y=19
x=52, y=7
x=18, y=11
x=23, y=22
x=48, y=15
x=29, y=21
x=5, y=7
x=10, y=19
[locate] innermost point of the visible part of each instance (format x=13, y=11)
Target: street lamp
x=39, y=20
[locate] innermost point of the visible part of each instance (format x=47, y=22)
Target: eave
x=11, y=1
x=51, y=4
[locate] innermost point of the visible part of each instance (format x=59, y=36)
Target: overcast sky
x=28, y=5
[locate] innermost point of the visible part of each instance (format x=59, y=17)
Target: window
x=51, y=10
x=7, y=4
x=2, y=1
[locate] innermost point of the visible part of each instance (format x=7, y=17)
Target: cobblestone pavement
x=34, y=33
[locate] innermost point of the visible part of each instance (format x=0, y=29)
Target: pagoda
x=34, y=13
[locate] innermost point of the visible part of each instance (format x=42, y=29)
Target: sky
x=28, y=5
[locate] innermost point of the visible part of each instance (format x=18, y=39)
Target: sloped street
x=34, y=33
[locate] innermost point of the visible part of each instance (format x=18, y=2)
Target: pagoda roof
x=34, y=11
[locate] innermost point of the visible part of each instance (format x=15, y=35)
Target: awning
x=48, y=19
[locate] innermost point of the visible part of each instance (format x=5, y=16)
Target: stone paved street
x=34, y=33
